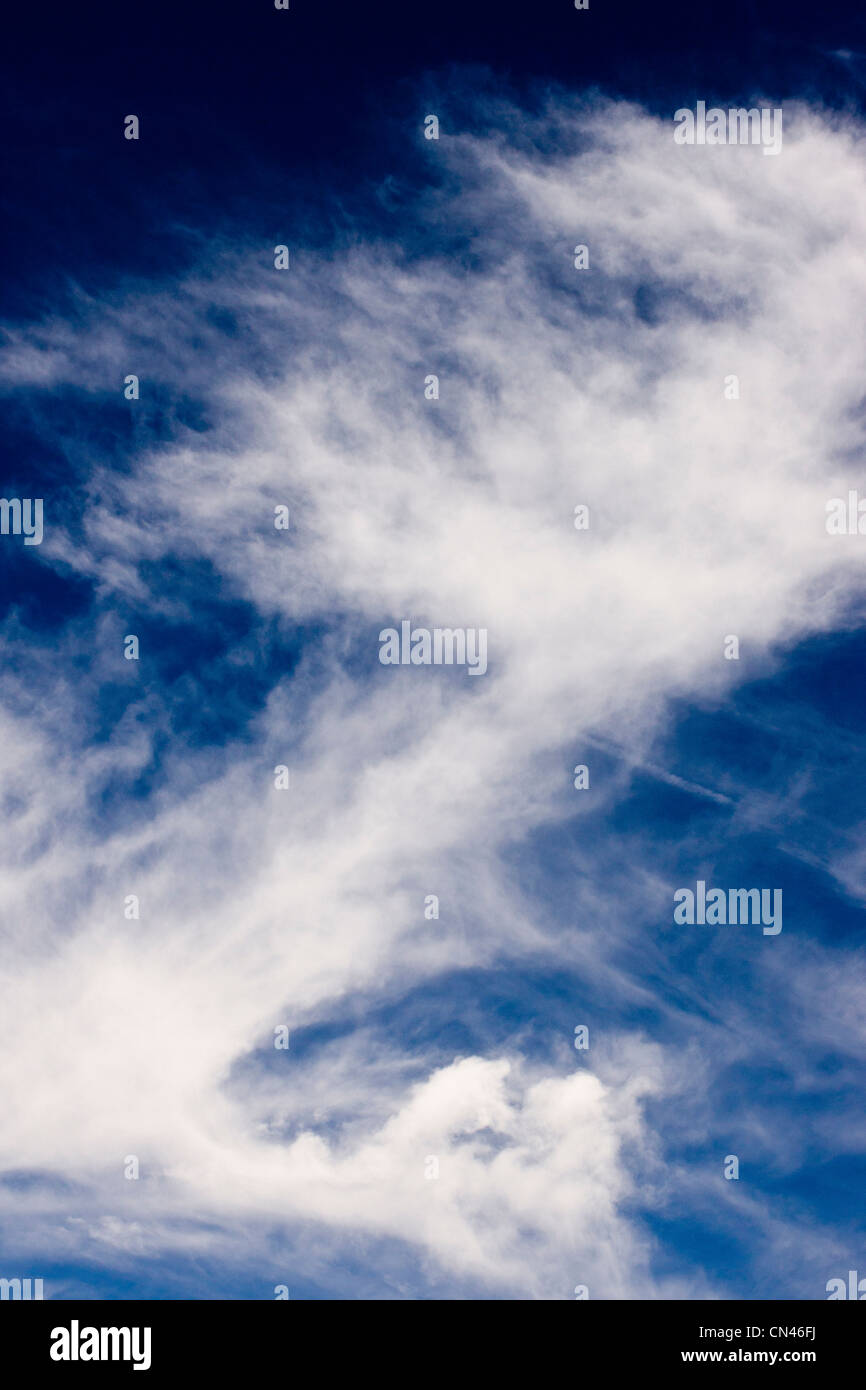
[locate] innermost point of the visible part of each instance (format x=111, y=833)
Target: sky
x=511, y=1072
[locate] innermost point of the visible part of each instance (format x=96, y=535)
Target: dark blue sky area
x=253, y=118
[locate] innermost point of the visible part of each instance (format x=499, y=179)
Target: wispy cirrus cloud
x=558, y=387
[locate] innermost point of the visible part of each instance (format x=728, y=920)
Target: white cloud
x=707, y=519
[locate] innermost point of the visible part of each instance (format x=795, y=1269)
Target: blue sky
x=431, y=1130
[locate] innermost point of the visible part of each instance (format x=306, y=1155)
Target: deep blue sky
x=262, y=126
x=249, y=111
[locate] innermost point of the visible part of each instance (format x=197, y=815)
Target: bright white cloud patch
x=558, y=387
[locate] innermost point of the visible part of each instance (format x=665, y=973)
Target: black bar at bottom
x=218, y=1338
